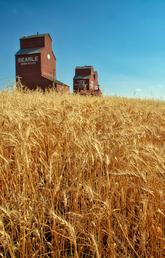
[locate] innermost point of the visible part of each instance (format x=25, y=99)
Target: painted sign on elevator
x=27, y=60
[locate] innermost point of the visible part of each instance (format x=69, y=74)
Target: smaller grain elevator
x=36, y=64
x=85, y=81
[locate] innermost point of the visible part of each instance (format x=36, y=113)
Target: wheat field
x=81, y=176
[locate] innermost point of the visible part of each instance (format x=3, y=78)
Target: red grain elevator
x=85, y=81
x=36, y=64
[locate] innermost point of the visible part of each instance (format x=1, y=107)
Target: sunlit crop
x=81, y=176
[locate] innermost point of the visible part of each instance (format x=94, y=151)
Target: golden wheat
x=81, y=176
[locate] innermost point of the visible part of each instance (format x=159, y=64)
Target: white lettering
x=27, y=60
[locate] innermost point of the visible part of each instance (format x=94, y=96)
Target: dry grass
x=81, y=176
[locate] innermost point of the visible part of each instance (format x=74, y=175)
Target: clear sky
x=123, y=39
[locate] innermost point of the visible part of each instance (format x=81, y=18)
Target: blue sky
x=123, y=39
